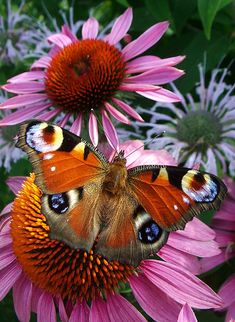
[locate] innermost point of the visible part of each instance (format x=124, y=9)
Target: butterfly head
x=119, y=158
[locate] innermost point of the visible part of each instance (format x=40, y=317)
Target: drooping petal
x=77, y=125
x=157, y=76
x=62, y=311
x=60, y=40
x=64, y=120
x=118, y=307
x=43, y=62
x=99, y=311
x=80, y=313
x=46, y=308
x=137, y=87
x=153, y=301
x=128, y=109
x=24, y=114
x=23, y=100
x=7, y=256
x=120, y=27
x=109, y=130
x=230, y=316
x=90, y=29
x=186, y=314
x=93, y=129
x=161, y=95
x=15, y=183
x=8, y=277
x=27, y=76
x=22, y=294
x=227, y=290
x=142, y=64
x=145, y=41
x=197, y=230
x=115, y=113
x=177, y=257
x=180, y=284
x=24, y=87
x=5, y=210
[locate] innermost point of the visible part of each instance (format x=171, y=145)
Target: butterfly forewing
x=61, y=160
x=174, y=195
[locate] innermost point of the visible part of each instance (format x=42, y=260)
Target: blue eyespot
x=150, y=232
x=59, y=203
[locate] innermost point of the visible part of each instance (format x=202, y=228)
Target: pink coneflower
x=86, y=78
x=224, y=225
x=200, y=130
x=46, y=275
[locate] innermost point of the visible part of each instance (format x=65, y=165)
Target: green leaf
x=207, y=11
x=161, y=10
x=224, y=3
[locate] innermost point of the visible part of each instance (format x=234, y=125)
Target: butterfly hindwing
x=174, y=195
x=61, y=160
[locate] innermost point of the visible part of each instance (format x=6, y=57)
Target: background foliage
x=200, y=29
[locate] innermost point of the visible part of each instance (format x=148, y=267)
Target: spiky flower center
x=199, y=129
x=84, y=75
x=51, y=264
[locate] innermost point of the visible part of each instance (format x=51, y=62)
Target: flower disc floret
x=84, y=75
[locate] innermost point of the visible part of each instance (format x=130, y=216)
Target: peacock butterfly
x=126, y=213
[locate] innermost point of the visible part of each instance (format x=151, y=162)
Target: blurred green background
x=200, y=29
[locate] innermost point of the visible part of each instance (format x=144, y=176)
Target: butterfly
x=123, y=214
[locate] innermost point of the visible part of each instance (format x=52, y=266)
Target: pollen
x=51, y=264
x=84, y=75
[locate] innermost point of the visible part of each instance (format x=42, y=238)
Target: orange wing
x=61, y=160
x=174, y=195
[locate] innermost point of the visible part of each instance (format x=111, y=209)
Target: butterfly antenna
x=147, y=142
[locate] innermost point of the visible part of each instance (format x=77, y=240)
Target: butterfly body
x=123, y=214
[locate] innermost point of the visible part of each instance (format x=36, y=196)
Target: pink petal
x=195, y=247
x=6, y=256
x=36, y=294
x=5, y=211
x=80, y=313
x=64, y=120
x=24, y=87
x=128, y=109
x=157, y=76
x=153, y=301
x=60, y=40
x=187, y=314
x=5, y=238
x=49, y=115
x=120, y=27
x=118, y=307
x=115, y=113
x=67, y=32
x=133, y=150
x=24, y=114
x=211, y=262
x=230, y=316
x=161, y=95
x=197, y=230
x=158, y=157
x=22, y=294
x=8, y=277
x=144, y=63
x=23, y=100
x=27, y=76
x=114, y=308
x=43, y=62
x=137, y=87
x=90, y=29
x=177, y=257
x=62, y=311
x=180, y=284
x=145, y=41
x=77, y=125
x=109, y=130
x=93, y=129
x=46, y=308
x=227, y=290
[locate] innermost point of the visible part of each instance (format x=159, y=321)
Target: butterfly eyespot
x=59, y=203
x=149, y=232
